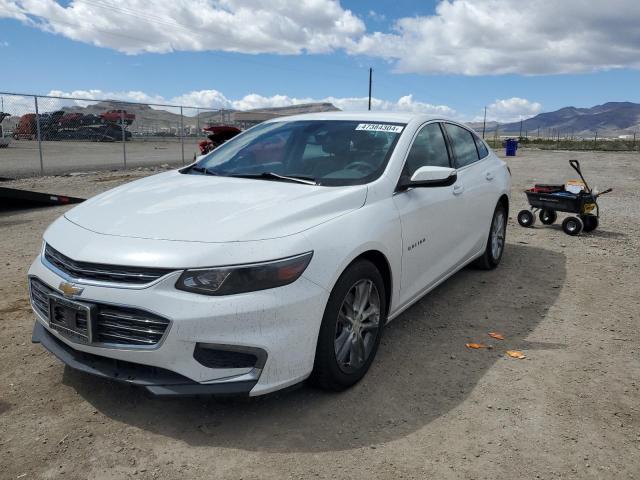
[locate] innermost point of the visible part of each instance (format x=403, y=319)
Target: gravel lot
x=429, y=407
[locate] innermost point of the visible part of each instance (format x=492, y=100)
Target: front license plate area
x=71, y=319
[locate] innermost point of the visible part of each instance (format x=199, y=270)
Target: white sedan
x=279, y=256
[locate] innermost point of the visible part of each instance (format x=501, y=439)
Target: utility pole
x=484, y=122
x=520, y=136
x=182, y=133
x=634, y=142
x=370, y=81
x=595, y=141
x=124, y=139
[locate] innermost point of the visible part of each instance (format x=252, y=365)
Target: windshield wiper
x=204, y=170
x=275, y=176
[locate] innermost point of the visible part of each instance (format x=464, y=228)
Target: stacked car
x=58, y=125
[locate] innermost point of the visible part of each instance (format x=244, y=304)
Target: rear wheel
x=351, y=327
x=590, y=222
x=572, y=225
x=548, y=217
x=526, y=218
x=495, y=243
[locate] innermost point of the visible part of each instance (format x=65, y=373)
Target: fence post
x=39, y=136
x=124, y=139
x=182, y=134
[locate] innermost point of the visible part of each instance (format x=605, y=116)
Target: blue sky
x=491, y=58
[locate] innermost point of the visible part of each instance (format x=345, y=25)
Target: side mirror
x=430, y=177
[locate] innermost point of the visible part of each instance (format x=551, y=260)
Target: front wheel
x=572, y=226
x=495, y=243
x=351, y=327
x=590, y=222
x=526, y=218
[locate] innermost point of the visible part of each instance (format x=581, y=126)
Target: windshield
x=326, y=152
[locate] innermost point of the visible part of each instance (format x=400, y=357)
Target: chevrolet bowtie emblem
x=69, y=289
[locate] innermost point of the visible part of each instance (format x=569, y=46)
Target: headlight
x=244, y=278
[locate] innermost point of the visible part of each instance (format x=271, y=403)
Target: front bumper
x=283, y=322
x=157, y=381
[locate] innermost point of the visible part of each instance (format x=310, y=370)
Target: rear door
x=472, y=187
x=429, y=217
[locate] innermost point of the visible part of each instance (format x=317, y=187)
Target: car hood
x=202, y=208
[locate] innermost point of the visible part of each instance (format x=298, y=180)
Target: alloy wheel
x=497, y=234
x=357, y=325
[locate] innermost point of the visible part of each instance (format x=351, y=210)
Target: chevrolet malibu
x=279, y=256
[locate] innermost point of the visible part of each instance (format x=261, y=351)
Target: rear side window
x=428, y=149
x=463, y=144
x=482, y=148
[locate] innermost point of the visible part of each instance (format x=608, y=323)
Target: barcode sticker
x=379, y=127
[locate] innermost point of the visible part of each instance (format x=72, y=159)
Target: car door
x=471, y=188
x=430, y=217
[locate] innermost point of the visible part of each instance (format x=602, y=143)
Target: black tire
x=489, y=259
x=572, y=226
x=526, y=218
x=548, y=217
x=328, y=372
x=590, y=222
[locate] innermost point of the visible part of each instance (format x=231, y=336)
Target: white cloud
x=378, y=17
x=214, y=99
x=511, y=110
x=4, y=44
x=248, y=26
x=403, y=104
x=470, y=37
x=480, y=37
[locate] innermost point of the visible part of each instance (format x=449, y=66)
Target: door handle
x=458, y=189
x=489, y=176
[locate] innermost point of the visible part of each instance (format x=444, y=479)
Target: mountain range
x=608, y=119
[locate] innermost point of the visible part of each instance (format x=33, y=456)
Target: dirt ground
x=429, y=407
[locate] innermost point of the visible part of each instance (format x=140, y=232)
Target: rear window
x=463, y=144
x=482, y=148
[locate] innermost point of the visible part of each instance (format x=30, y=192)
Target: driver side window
x=429, y=149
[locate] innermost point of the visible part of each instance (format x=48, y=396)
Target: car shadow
x=422, y=370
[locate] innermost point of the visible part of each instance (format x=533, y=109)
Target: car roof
x=367, y=116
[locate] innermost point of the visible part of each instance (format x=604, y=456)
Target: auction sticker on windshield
x=379, y=127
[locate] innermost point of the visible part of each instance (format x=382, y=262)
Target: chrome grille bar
x=102, y=272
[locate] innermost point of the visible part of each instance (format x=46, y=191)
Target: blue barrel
x=511, y=147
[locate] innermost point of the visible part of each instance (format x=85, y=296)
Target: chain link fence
x=552, y=139
x=46, y=135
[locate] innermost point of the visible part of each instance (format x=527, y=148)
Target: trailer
x=16, y=198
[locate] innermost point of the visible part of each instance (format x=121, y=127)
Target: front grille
x=102, y=272
x=128, y=326
x=113, y=324
x=40, y=296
